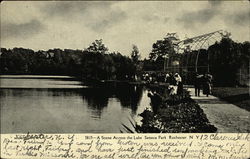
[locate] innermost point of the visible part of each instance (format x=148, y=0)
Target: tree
x=225, y=60
x=97, y=47
x=124, y=67
x=164, y=47
x=135, y=55
x=163, y=50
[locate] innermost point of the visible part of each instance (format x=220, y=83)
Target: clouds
x=23, y=30
x=67, y=9
x=239, y=18
x=75, y=25
x=202, y=16
x=98, y=16
x=190, y=19
x=105, y=22
x=217, y=15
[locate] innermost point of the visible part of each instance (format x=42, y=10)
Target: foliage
x=182, y=118
x=135, y=55
x=125, y=68
x=97, y=47
x=164, y=47
x=226, y=58
x=176, y=115
x=92, y=63
x=161, y=51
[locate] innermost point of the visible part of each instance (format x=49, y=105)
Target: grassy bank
x=238, y=96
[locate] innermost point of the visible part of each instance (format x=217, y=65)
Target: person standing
x=197, y=84
x=179, y=84
x=167, y=78
x=207, y=84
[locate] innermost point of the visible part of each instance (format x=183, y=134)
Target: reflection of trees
x=97, y=99
x=129, y=96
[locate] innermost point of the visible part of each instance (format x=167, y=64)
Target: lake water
x=61, y=104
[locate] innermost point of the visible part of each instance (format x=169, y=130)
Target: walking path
x=227, y=117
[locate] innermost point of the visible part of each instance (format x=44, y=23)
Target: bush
x=175, y=115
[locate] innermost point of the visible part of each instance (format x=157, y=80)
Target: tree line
x=94, y=62
x=224, y=59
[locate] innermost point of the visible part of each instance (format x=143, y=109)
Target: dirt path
x=227, y=117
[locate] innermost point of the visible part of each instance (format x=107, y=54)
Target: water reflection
x=67, y=109
x=97, y=99
x=129, y=96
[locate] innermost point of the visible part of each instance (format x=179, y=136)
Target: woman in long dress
x=179, y=84
x=207, y=85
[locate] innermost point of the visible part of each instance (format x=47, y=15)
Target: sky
x=44, y=25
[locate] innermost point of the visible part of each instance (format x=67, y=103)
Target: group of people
x=174, y=80
x=203, y=82
x=159, y=77
x=154, y=77
x=175, y=88
x=175, y=84
x=175, y=91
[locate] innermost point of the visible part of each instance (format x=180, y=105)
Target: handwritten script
x=126, y=146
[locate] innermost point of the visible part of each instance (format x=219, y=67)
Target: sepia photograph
x=73, y=67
